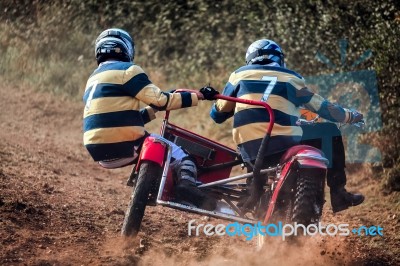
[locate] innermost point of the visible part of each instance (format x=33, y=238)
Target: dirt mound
x=57, y=207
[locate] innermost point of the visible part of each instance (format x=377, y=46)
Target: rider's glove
x=354, y=116
x=209, y=92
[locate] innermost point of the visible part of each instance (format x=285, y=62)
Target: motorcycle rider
x=113, y=123
x=265, y=76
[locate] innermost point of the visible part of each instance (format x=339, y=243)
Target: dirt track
x=57, y=207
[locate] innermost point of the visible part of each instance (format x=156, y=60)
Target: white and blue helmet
x=265, y=51
x=116, y=44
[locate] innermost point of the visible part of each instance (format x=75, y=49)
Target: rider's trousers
x=328, y=138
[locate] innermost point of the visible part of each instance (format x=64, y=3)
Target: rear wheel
x=302, y=205
x=148, y=174
x=308, y=201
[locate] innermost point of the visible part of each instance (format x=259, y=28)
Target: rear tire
x=308, y=200
x=148, y=174
x=303, y=207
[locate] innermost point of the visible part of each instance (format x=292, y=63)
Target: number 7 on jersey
x=271, y=85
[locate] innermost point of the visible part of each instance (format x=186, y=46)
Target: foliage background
x=49, y=45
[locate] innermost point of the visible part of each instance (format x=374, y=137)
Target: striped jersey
x=285, y=91
x=113, y=122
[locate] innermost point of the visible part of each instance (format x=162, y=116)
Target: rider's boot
x=341, y=199
x=187, y=190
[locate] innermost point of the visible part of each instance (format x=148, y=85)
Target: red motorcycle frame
x=286, y=187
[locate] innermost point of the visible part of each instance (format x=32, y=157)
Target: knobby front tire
x=148, y=173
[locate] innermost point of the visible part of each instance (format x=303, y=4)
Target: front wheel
x=148, y=174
